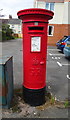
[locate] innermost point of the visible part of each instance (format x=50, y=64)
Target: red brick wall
x=59, y=31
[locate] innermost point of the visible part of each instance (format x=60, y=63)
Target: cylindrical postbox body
x=34, y=29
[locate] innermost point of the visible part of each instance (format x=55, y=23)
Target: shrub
x=6, y=32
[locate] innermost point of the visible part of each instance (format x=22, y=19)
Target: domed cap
x=35, y=11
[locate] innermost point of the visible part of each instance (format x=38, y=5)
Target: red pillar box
x=34, y=29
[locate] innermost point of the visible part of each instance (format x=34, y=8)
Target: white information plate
x=35, y=44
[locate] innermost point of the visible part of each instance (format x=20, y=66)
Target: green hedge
x=6, y=32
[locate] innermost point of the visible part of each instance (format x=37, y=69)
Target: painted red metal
x=34, y=29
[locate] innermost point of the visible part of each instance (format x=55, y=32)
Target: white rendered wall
x=66, y=14
x=58, y=14
x=61, y=12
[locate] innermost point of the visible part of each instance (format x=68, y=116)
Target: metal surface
x=6, y=81
x=34, y=46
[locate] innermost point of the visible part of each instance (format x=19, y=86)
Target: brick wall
x=59, y=31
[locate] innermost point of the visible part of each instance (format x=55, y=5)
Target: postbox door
x=34, y=55
x=38, y=61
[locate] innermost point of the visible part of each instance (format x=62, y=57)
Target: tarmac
x=57, y=83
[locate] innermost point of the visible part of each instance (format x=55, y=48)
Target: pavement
x=14, y=48
x=57, y=76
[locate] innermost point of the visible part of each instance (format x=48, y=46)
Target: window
x=19, y=26
x=50, y=30
x=47, y=6
x=19, y=31
x=12, y=26
x=50, y=6
x=14, y=31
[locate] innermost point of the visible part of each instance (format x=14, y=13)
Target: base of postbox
x=34, y=97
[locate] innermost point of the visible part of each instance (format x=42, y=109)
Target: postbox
x=34, y=30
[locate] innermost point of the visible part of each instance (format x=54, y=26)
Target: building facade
x=15, y=25
x=59, y=26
